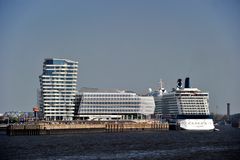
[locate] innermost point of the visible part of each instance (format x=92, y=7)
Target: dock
x=51, y=128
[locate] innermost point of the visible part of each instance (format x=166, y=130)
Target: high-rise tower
x=58, y=84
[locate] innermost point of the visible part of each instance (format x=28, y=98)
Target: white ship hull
x=196, y=124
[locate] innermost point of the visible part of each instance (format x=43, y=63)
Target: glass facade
x=58, y=89
x=114, y=105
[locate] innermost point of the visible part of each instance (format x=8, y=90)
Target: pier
x=121, y=127
x=50, y=128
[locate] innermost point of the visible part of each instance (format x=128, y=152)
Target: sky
x=124, y=44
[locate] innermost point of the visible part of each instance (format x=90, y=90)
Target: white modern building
x=58, y=84
x=114, y=105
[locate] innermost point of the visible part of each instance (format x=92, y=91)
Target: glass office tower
x=58, y=84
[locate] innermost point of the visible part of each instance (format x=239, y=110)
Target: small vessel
x=185, y=107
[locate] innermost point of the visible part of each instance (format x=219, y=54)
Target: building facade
x=112, y=106
x=58, y=84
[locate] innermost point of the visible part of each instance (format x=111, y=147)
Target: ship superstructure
x=188, y=107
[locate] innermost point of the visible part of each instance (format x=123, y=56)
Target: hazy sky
x=125, y=44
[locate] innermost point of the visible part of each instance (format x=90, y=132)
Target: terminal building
x=113, y=105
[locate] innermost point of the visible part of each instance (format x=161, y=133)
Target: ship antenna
x=161, y=84
x=161, y=90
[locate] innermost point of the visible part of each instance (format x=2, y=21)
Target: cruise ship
x=184, y=107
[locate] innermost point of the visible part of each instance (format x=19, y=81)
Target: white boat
x=188, y=107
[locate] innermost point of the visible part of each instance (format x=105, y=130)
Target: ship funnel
x=179, y=83
x=187, y=82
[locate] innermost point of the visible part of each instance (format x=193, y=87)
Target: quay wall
x=83, y=127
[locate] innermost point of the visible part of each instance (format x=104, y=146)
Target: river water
x=172, y=145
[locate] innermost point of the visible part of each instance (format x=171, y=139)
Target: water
x=176, y=145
